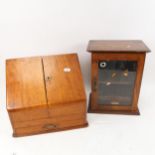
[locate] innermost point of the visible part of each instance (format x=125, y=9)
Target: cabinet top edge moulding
x=117, y=46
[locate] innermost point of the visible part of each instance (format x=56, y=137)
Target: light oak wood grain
x=65, y=87
x=67, y=125
x=41, y=92
x=25, y=85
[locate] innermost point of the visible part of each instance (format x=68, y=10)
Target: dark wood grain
x=116, y=51
x=117, y=46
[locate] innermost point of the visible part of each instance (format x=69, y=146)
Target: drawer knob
x=49, y=126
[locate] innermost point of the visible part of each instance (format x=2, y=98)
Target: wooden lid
x=25, y=83
x=43, y=81
x=117, y=46
x=66, y=84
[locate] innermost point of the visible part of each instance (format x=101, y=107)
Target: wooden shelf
x=115, y=98
x=115, y=82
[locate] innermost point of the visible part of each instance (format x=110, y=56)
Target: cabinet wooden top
x=43, y=81
x=117, y=46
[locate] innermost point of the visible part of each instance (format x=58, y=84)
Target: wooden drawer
x=51, y=120
x=43, y=128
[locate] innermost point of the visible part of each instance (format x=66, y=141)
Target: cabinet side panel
x=94, y=80
x=141, y=62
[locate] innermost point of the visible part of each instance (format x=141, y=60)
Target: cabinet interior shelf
x=114, y=82
x=115, y=98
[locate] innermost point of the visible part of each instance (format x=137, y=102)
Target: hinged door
x=63, y=77
x=26, y=96
x=116, y=80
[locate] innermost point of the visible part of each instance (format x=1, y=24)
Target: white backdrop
x=43, y=27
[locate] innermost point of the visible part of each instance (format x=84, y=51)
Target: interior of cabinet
x=116, y=81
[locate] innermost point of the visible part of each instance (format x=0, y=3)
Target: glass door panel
x=116, y=82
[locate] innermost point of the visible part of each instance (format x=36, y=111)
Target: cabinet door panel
x=25, y=83
x=64, y=83
x=116, y=82
x=117, y=79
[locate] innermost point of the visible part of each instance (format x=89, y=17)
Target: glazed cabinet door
x=116, y=80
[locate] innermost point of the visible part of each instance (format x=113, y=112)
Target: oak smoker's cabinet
x=45, y=94
x=117, y=68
